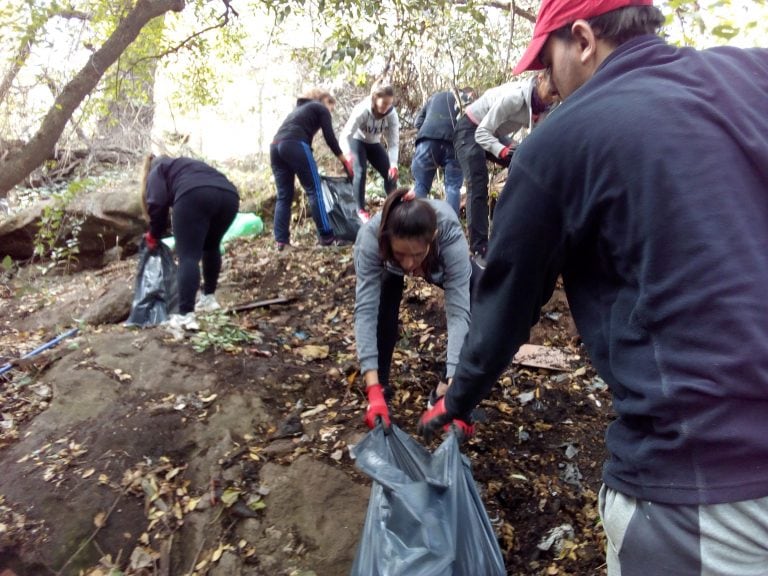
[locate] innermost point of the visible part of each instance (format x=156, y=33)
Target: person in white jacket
x=361, y=141
x=484, y=133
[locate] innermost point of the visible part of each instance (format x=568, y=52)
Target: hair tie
x=410, y=195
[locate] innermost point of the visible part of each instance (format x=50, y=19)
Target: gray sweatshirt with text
x=365, y=126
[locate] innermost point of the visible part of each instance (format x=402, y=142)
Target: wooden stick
x=261, y=303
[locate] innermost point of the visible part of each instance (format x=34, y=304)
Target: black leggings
x=200, y=218
x=377, y=156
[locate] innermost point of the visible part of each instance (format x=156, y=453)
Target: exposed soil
x=125, y=448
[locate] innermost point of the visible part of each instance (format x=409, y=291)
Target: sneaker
x=207, y=303
x=331, y=240
x=281, y=246
x=181, y=322
x=364, y=215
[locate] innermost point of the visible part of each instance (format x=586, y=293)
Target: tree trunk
x=18, y=165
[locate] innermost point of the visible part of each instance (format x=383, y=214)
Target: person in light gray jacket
x=484, y=133
x=409, y=237
x=361, y=141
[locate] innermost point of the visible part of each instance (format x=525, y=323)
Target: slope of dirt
x=127, y=448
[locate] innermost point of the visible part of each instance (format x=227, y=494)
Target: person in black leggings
x=204, y=205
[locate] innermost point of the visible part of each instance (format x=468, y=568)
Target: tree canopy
x=77, y=68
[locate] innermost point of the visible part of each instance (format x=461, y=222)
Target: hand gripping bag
x=155, y=295
x=425, y=516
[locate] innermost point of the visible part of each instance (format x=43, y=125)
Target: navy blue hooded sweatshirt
x=437, y=118
x=647, y=189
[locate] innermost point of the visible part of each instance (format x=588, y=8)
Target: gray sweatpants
x=651, y=539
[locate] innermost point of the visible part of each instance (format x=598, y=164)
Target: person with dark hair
x=290, y=155
x=657, y=220
x=409, y=237
x=485, y=133
x=371, y=119
x=436, y=123
x=204, y=204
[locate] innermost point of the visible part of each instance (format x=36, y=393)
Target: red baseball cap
x=555, y=14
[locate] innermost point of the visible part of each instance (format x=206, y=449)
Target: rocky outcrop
x=111, y=217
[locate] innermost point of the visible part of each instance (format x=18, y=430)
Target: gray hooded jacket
x=452, y=276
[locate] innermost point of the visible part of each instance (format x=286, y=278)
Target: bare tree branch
x=223, y=21
x=26, y=42
x=510, y=5
x=18, y=164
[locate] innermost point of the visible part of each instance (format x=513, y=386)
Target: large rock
x=113, y=217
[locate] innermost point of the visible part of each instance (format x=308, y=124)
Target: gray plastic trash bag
x=425, y=516
x=341, y=206
x=155, y=296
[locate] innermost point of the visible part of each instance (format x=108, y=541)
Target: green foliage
x=219, y=332
x=57, y=238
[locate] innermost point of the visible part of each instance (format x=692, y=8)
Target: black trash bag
x=425, y=516
x=341, y=206
x=155, y=294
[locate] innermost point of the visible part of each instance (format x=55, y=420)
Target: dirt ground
x=228, y=453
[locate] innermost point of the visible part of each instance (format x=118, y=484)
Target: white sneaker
x=181, y=322
x=207, y=303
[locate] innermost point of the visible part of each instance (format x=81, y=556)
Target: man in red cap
x=647, y=190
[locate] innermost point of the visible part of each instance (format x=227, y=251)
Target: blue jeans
x=427, y=158
x=291, y=158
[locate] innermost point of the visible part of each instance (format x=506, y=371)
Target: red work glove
x=377, y=407
x=150, y=241
x=392, y=173
x=348, y=167
x=507, y=152
x=437, y=418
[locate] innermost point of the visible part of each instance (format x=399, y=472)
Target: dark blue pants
x=291, y=158
x=430, y=155
x=377, y=156
x=201, y=216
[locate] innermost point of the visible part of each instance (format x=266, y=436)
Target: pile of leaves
x=536, y=457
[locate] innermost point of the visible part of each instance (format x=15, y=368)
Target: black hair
x=412, y=219
x=620, y=25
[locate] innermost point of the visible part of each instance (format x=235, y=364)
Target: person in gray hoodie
x=484, y=132
x=409, y=237
x=361, y=141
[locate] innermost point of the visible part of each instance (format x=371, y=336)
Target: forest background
x=84, y=82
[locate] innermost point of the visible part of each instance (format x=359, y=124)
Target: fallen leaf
x=230, y=496
x=217, y=553
x=100, y=519
x=313, y=351
x=88, y=473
